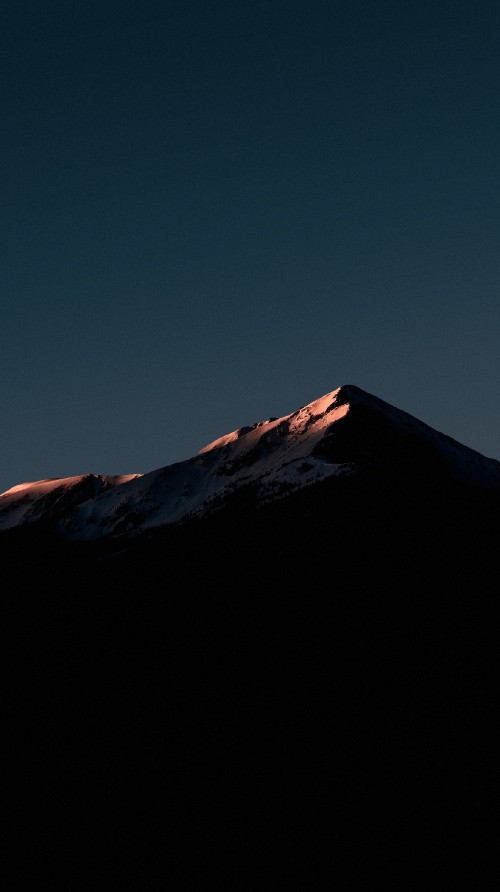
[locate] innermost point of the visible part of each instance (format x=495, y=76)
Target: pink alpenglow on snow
x=41, y=487
x=321, y=413
x=334, y=436
x=31, y=501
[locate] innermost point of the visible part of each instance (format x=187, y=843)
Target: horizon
x=206, y=447
x=213, y=214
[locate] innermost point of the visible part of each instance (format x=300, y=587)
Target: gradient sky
x=214, y=212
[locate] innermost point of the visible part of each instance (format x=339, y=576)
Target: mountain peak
x=296, y=421
x=345, y=432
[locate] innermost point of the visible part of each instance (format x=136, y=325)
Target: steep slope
x=342, y=433
x=319, y=661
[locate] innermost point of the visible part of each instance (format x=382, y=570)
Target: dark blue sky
x=213, y=212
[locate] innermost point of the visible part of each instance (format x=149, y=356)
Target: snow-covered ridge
x=318, y=411
x=327, y=438
x=42, y=499
x=276, y=456
x=333, y=436
x=41, y=487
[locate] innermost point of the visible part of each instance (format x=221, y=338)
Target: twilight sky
x=214, y=212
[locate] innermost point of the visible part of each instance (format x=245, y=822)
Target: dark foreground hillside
x=258, y=684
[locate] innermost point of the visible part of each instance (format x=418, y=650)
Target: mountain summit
x=345, y=433
x=302, y=618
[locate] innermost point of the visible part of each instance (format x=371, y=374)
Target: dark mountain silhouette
x=345, y=433
x=309, y=652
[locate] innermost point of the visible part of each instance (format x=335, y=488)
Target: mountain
x=290, y=639
x=52, y=498
x=344, y=433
